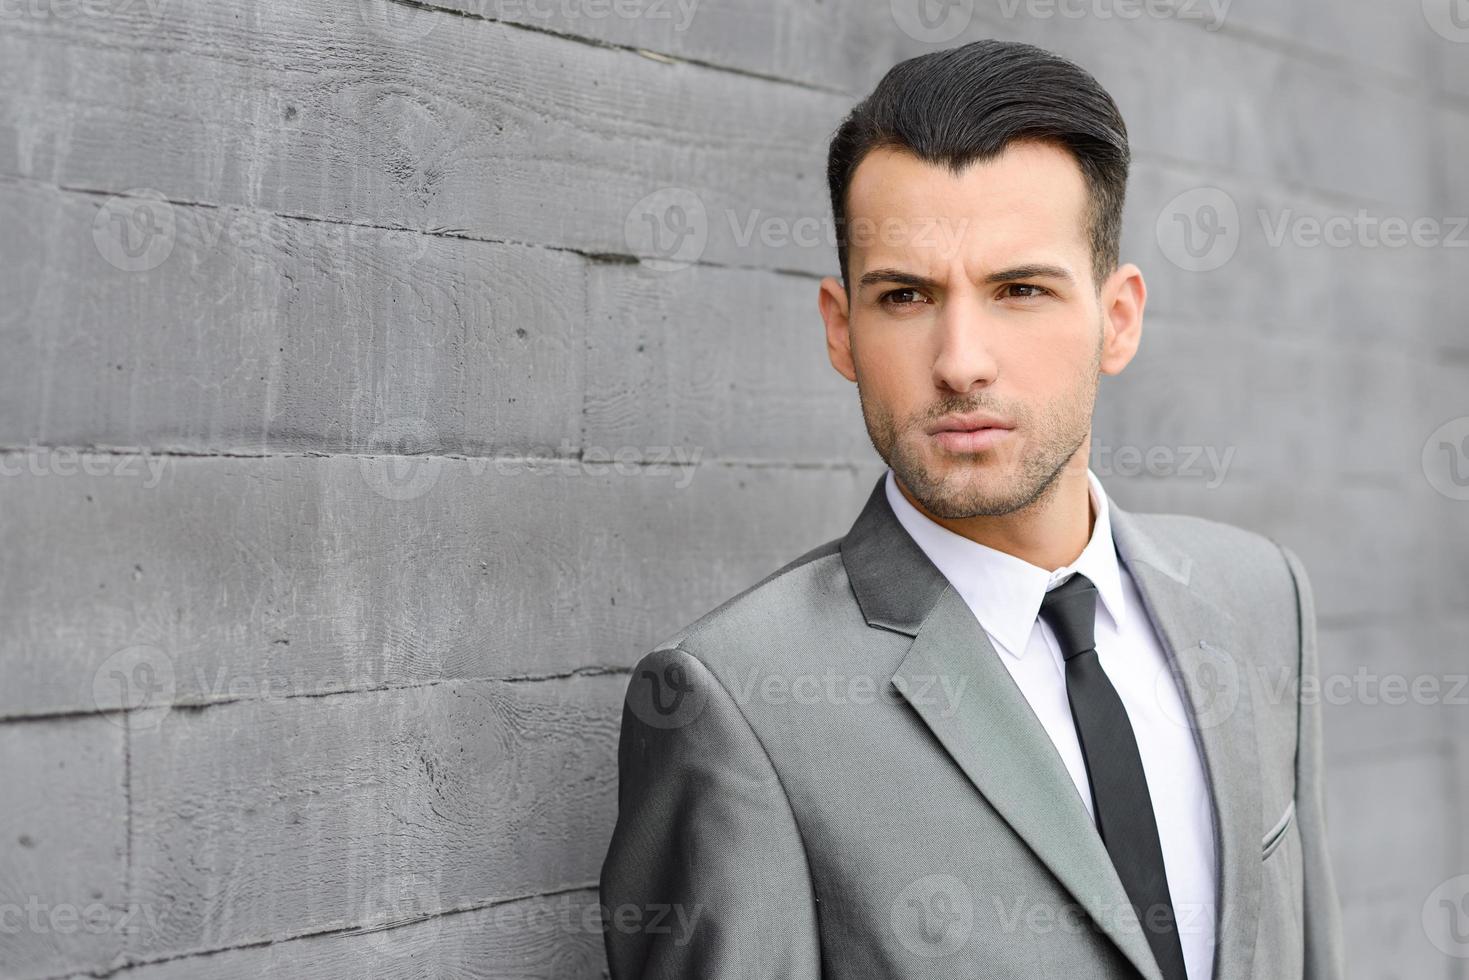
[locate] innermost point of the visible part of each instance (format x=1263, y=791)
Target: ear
x=1123, y=297
x=832, y=300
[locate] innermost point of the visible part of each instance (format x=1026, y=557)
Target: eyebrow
x=1012, y=274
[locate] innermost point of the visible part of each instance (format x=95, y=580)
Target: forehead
x=1028, y=204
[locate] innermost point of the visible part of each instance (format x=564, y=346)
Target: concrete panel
x=205, y=579
x=485, y=131
x=267, y=819
x=64, y=848
x=717, y=357
x=256, y=333
x=555, y=937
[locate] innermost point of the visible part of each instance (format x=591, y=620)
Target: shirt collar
x=1004, y=591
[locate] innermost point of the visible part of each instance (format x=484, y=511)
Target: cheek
x=1051, y=362
x=1030, y=369
x=890, y=363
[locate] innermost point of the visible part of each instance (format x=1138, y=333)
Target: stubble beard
x=1022, y=471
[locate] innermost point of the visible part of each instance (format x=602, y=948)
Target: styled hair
x=967, y=104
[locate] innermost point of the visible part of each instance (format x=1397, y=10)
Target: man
x=1001, y=728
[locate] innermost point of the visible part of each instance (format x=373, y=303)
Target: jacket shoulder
x=1254, y=575
x=1207, y=536
x=803, y=588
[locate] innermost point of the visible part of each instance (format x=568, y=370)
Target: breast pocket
x=1276, y=834
x=1280, y=939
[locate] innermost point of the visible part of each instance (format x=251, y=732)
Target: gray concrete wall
x=323, y=321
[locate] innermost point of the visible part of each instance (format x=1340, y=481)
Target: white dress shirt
x=1004, y=593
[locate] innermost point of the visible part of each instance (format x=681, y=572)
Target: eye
x=1035, y=292
x=898, y=298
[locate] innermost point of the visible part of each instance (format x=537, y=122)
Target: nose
x=964, y=359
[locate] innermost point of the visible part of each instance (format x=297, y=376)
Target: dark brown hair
x=967, y=104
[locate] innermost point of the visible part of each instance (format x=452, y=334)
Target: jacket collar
x=1006, y=591
x=996, y=739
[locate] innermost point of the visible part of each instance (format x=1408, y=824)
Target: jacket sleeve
x=706, y=875
x=1324, y=955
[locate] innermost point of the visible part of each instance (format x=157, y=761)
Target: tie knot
x=1071, y=611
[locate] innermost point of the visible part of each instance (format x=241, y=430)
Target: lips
x=969, y=422
x=970, y=432
x=971, y=440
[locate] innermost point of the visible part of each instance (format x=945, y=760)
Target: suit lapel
x=991, y=732
x=995, y=737
x=1199, y=637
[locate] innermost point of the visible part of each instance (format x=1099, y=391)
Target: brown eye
x=899, y=297
x=1035, y=291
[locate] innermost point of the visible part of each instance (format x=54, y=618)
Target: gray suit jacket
x=832, y=775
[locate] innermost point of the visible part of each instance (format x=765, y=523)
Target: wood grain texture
x=1342, y=294
x=725, y=358
x=262, y=334
x=64, y=847
x=268, y=819
x=556, y=936
x=487, y=130
x=234, y=578
x=826, y=44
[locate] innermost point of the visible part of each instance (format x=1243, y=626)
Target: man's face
x=974, y=294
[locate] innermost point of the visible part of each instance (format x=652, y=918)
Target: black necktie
x=1124, y=810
